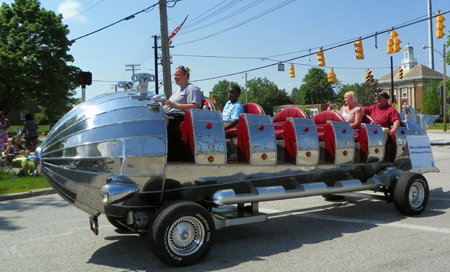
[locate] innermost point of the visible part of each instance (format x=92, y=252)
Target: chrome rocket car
x=111, y=155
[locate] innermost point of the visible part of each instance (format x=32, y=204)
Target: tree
x=266, y=94
x=33, y=59
x=366, y=93
x=315, y=90
x=221, y=91
x=431, y=99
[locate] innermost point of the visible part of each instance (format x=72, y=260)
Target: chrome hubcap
x=186, y=236
x=416, y=194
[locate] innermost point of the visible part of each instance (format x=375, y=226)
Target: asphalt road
x=45, y=233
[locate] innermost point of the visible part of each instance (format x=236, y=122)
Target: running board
x=260, y=194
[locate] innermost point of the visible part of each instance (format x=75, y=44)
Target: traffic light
x=397, y=43
x=440, y=26
x=331, y=76
x=85, y=78
x=390, y=46
x=394, y=34
x=291, y=71
x=400, y=73
x=321, y=58
x=359, y=50
x=369, y=77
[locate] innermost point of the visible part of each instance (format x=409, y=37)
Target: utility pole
x=430, y=36
x=165, y=48
x=114, y=86
x=132, y=67
x=155, y=38
x=246, y=87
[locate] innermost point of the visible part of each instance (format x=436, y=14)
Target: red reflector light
x=343, y=130
x=261, y=127
x=306, y=129
x=208, y=126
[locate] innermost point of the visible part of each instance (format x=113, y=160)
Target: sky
x=221, y=38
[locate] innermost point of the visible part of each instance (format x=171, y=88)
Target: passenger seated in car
x=351, y=111
x=385, y=115
x=232, y=109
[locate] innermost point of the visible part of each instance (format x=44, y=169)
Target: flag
x=176, y=31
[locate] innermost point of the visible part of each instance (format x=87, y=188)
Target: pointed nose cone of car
x=118, y=134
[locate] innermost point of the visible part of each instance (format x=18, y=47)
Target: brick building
x=416, y=77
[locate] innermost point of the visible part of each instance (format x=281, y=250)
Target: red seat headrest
x=253, y=108
x=290, y=112
x=324, y=116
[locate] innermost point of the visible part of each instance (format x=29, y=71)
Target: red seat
x=280, y=119
x=187, y=136
x=368, y=120
x=252, y=108
x=321, y=119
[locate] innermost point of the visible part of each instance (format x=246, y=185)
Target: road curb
x=27, y=194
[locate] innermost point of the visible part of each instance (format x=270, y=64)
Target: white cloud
x=71, y=10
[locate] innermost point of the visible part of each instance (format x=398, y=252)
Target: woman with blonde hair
x=352, y=111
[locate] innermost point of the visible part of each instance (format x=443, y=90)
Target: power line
x=124, y=19
x=243, y=22
x=326, y=49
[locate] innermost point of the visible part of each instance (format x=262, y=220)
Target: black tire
x=115, y=222
x=333, y=197
x=181, y=233
x=411, y=193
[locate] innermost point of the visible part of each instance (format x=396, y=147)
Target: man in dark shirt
x=384, y=114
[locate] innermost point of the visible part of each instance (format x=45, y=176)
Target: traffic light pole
x=83, y=93
x=392, y=80
x=444, y=91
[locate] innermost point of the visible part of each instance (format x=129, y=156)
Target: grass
x=438, y=126
x=12, y=185
x=12, y=129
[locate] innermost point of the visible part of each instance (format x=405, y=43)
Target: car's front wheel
x=181, y=233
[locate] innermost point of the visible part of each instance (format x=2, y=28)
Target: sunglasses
x=184, y=69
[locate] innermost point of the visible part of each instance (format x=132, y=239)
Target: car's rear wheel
x=411, y=193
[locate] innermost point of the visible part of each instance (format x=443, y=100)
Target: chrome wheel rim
x=186, y=236
x=416, y=194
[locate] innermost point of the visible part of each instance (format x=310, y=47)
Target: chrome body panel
x=209, y=137
x=375, y=141
x=306, y=139
x=402, y=153
x=345, y=143
x=262, y=139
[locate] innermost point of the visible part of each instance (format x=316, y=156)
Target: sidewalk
x=27, y=194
